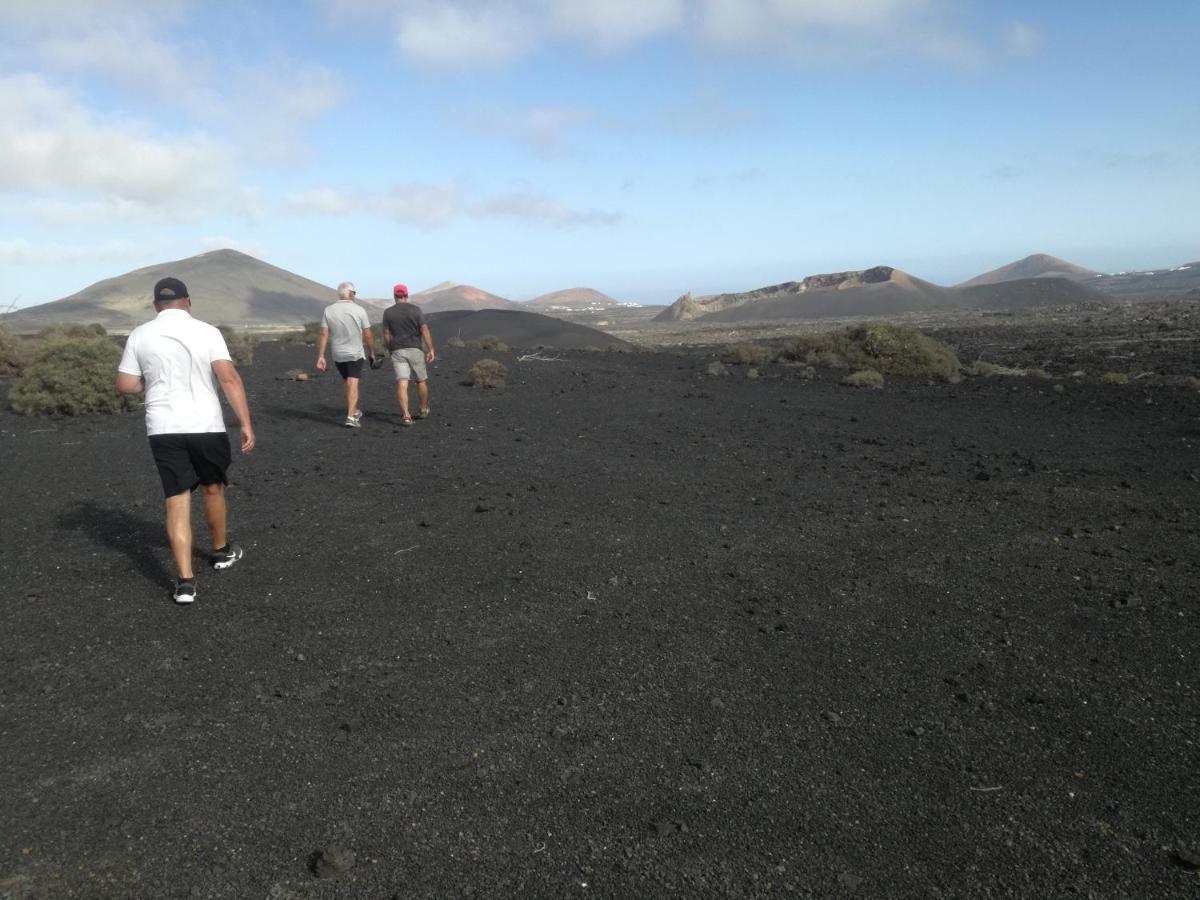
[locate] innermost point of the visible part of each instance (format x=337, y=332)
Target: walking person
x=346, y=323
x=411, y=347
x=178, y=362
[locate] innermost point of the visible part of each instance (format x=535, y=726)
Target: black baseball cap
x=168, y=290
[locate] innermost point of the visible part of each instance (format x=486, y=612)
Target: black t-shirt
x=404, y=321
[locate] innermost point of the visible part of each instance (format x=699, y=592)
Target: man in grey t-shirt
x=346, y=322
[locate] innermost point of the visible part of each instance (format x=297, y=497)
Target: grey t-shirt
x=346, y=322
x=404, y=321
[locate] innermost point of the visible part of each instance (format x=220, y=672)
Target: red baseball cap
x=400, y=290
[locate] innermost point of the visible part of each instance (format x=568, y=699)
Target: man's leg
x=402, y=396
x=216, y=511
x=423, y=396
x=179, y=531
x=350, y=389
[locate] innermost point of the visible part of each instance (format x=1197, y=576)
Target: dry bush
x=297, y=375
x=13, y=353
x=747, y=354
x=888, y=349
x=71, y=376
x=455, y=342
x=491, y=342
x=992, y=370
x=715, y=369
x=309, y=335
x=1115, y=378
x=1191, y=382
x=71, y=332
x=865, y=378
x=488, y=373
x=241, y=345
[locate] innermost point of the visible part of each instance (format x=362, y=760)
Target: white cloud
x=465, y=34
x=21, y=251
x=427, y=205
x=1022, y=39
x=432, y=205
x=615, y=23
x=545, y=129
x=529, y=206
x=51, y=142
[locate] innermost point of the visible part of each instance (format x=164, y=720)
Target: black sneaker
x=185, y=590
x=226, y=556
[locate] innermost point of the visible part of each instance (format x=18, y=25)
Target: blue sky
x=640, y=147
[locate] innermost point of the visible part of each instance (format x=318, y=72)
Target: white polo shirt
x=175, y=353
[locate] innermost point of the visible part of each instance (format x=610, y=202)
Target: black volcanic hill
x=881, y=290
x=1030, y=292
x=519, y=329
x=227, y=287
x=1038, y=265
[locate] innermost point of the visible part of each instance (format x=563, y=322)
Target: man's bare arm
x=322, y=341
x=130, y=384
x=427, y=339
x=235, y=393
x=369, y=340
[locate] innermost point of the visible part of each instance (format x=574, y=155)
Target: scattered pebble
x=332, y=861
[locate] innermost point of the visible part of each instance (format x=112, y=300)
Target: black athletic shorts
x=186, y=460
x=351, y=369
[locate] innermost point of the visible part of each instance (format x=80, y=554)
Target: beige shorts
x=409, y=364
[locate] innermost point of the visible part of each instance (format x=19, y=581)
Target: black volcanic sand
x=619, y=630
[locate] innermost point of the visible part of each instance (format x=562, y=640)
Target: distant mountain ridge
x=581, y=299
x=1038, y=265
x=227, y=286
x=881, y=290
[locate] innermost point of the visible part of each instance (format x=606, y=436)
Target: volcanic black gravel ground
x=621, y=629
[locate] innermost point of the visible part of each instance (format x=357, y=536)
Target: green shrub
x=488, y=373
x=241, y=345
x=1115, y=378
x=745, y=354
x=865, y=378
x=888, y=349
x=491, y=342
x=13, y=353
x=71, y=332
x=309, y=335
x=71, y=376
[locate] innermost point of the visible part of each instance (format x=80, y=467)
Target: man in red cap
x=411, y=346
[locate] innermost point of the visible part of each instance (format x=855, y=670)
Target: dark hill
x=881, y=290
x=226, y=287
x=1038, y=265
x=1029, y=292
x=520, y=329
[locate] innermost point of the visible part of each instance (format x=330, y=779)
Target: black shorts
x=186, y=460
x=351, y=369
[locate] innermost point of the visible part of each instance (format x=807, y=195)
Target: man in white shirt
x=178, y=362
x=347, y=324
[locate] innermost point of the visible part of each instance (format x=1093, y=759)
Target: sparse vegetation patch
x=865, y=378
x=491, y=342
x=488, y=373
x=13, y=353
x=886, y=349
x=71, y=373
x=308, y=335
x=747, y=354
x=241, y=345
x=1115, y=378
